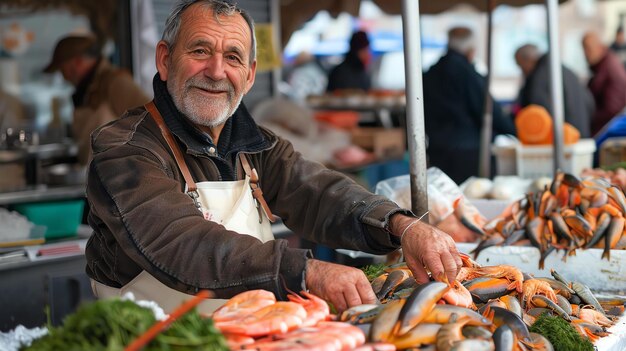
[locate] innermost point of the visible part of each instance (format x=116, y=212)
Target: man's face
x=69, y=71
x=208, y=70
x=593, y=49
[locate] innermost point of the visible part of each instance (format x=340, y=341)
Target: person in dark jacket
x=608, y=83
x=619, y=45
x=577, y=99
x=175, y=188
x=454, y=99
x=352, y=72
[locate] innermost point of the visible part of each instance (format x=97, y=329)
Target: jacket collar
x=78, y=98
x=240, y=132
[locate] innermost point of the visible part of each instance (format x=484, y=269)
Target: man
x=149, y=235
x=535, y=67
x=352, y=72
x=619, y=45
x=454, y=99
x=608, y=83
x=103, y=92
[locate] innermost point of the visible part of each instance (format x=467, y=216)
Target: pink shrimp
x=316, y=308
x=242, y=304
x=459, y=296
x=280, y=317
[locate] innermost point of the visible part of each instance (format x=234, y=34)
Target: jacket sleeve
x=143, y=220
x=325, y=206
x=614, y=100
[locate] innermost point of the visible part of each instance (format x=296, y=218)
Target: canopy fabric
x=101, y=13
x=293, y=13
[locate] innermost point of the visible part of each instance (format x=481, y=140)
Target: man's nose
x=214, y=68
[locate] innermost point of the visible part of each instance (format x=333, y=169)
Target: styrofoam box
x=490, y=208
x=537, y=161
x=587, y=266
x=602, y=276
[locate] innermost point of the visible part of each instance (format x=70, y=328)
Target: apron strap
x=257, y=193
x=178, y=155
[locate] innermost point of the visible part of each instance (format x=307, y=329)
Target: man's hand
x=342, y=286
x=426, y=248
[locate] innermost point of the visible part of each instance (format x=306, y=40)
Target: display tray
x=587, y=266
x=616, y=341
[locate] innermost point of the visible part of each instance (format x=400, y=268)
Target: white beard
x=200, y=109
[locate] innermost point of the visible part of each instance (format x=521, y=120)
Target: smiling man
x=174, y=188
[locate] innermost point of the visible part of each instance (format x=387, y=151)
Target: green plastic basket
x=60, y=217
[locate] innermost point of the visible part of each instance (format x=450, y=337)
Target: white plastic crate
x=537, y=161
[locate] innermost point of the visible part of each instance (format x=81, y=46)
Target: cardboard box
x=612, y=151
x=383, y=142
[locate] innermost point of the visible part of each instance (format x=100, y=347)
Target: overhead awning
x=294, y=13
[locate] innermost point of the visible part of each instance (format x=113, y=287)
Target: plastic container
x=60, y=217
x=505, y=160
x=537, y=161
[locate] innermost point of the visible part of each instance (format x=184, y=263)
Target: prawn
x=280, y=317
x=242, y=304
x=316, y=309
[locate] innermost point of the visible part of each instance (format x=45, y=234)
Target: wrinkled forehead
x=200, y=17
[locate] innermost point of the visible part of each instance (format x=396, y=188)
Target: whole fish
x=419, y=305
x=587, y=296
x=382, y=327
x=504, y=338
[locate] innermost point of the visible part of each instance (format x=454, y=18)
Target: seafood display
x=254, y=320
x=616, y=176
x=487, y=308
x=569, y=215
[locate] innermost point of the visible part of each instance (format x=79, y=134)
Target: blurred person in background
x=608, y=83
x=619, y=45
x=578, y=101
x=454, y=99
x=306, y=77
x=102, y=93
x=352, y=72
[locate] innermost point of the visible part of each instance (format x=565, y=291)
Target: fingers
x=365, y=291
x=419, y=272
x=450, y=267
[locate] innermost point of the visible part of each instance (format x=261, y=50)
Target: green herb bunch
x=373, y=271
x=110, y=325
x=561, y=334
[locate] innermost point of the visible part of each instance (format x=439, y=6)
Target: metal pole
x=275, y=19
x=556, y=82
x=484, y=157
x=415, y=106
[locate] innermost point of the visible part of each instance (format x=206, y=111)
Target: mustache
x=210, y=84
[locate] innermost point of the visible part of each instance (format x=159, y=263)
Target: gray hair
x=219, y=8
x=461, y=39
x=528, y=52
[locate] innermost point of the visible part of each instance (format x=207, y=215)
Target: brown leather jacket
x=143, y=220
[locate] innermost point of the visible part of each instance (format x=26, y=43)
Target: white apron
x=233, y=205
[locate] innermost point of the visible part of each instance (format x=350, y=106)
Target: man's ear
x=162, y=58
x=251, y=77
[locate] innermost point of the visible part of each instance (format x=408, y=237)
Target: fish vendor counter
x=409, y=316
x=606, y=278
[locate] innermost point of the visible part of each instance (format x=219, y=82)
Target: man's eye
x=233, y=58
x=199, y=51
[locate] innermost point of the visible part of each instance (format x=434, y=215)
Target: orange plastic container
x=340, y=119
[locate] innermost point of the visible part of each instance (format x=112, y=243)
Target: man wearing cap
x=352, y=72
x=103, y=92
